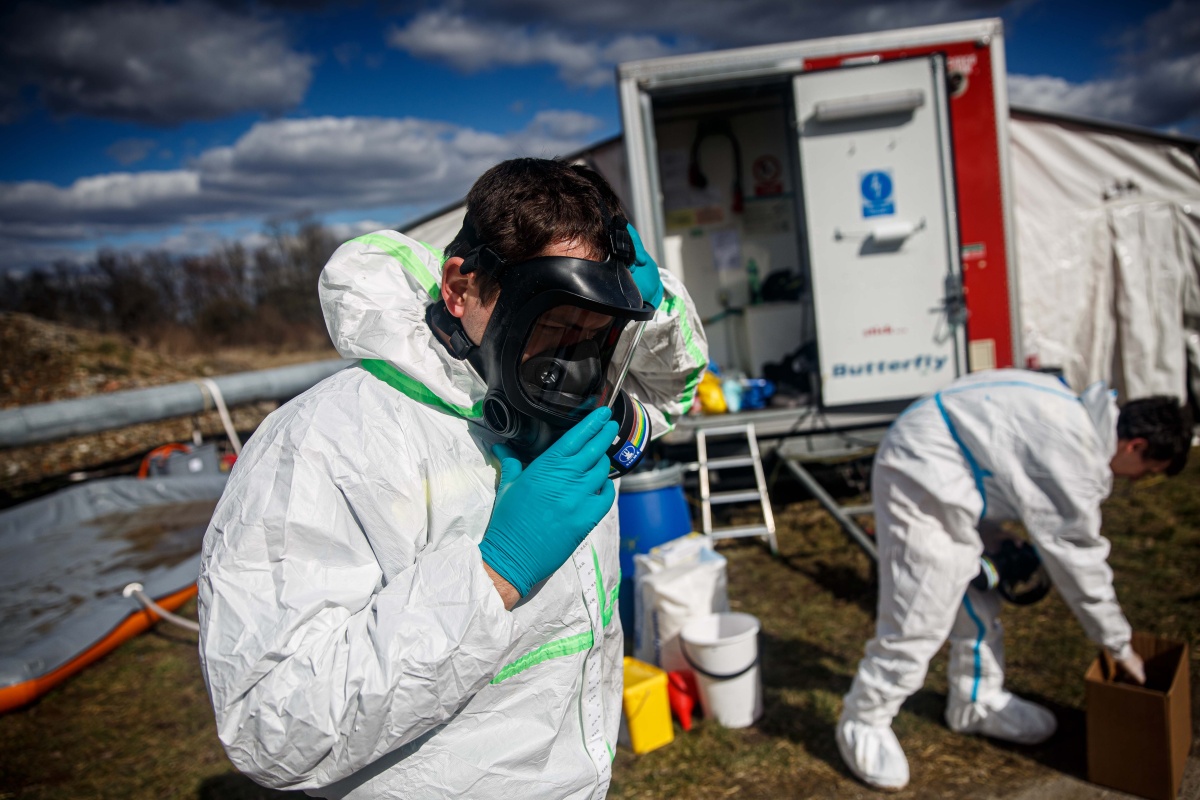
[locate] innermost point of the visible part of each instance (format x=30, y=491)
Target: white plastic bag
x=674, y=582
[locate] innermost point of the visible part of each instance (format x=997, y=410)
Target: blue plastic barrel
x=652, y=509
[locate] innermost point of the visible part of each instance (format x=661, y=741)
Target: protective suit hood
x=375, y=309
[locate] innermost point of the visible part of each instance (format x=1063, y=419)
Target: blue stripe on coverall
x=979, y=474
x=978, y=641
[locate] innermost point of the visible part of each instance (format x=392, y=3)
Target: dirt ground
x=138, y=725
x=816, y=606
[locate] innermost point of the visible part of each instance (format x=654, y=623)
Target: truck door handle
x=885, y=233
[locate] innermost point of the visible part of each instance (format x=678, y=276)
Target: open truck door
x=881, y=229
x=871, y=168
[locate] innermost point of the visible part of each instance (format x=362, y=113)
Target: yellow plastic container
x=710, y=394
x=647, y=710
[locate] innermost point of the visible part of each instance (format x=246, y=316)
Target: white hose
x=136, y=590
x=213, y=391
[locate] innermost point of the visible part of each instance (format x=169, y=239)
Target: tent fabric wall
x=439, y=229
x=1108, y=249
x=608, y=158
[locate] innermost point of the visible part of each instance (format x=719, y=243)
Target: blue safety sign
x=877, y=199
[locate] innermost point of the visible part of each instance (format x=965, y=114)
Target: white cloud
x=283, y=167
x=507, y=32
x=472, y=45
x=18, y=256
x=1157, y=83
x=148, y=62
x=113, y=198
x=563, y=124
x=1172, y=32
x=1092, y=99
x=188, y=240
x=344, y=231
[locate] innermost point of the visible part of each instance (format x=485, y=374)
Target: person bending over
x=993, y=446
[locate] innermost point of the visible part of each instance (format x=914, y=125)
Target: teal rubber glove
x=645, y=271
x=543, y=511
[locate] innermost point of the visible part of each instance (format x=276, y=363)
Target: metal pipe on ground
x=48, y=422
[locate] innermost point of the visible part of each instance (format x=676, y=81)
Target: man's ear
x=455, y=286
x=1135, y=446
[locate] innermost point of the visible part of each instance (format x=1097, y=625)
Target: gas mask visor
x=575, y=360
x=562, y=364
x=566, y=349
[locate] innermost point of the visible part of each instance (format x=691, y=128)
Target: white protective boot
x=873, y=754
x=1005, y=717
x=978, y=700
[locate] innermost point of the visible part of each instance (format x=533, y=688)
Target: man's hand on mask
x=543, y=511
x=645, y=271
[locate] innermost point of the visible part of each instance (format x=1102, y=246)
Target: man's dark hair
x=518, y=208
x=1164, y=424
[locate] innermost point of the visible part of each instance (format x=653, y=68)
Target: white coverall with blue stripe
x=998, y=445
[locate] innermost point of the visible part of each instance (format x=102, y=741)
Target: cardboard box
x=1138, y=737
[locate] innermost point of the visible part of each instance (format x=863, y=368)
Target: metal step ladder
x=708, y=498
x=843, y=515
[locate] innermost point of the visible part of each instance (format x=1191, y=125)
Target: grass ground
x=138, y=724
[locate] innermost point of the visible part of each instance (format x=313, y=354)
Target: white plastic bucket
x=722, y=649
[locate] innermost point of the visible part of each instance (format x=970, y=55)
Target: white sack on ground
x=676, y=581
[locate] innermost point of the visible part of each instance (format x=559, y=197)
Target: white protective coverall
x=352, y=643
x=997, y=445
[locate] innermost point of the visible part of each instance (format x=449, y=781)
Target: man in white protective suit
x=993, y=446
x=408, y=589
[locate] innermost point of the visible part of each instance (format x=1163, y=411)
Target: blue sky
x=178, y=125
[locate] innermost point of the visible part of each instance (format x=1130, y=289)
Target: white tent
x=1108, y=248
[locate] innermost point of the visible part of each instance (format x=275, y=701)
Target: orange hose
x=160, y=452
x=20, y=694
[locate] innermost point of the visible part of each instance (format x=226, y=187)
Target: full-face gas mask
x=557, y=346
